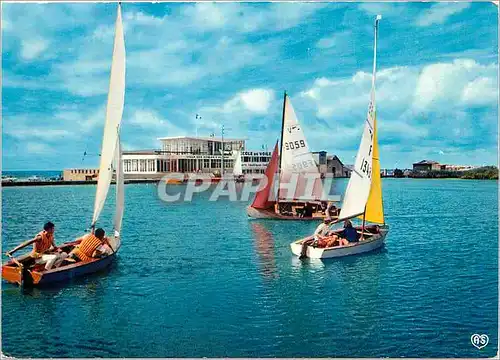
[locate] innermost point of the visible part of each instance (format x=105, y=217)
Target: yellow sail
x=374, y=206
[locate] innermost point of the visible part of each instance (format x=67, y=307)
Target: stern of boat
x=257, y=213
x=312, y=252
x=12, y=273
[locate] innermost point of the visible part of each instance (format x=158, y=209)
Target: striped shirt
x=87, y=247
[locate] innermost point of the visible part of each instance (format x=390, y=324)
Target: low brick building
x=336, y=167
x=427, y=165
x=80, y=174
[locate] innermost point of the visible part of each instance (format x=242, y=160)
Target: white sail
x=238, y=167
x=358, y=188
x=114, y=111
x=296, y=158
x=120, y=190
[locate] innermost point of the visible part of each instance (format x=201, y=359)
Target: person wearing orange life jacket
x=43, y=244
x=91, y=246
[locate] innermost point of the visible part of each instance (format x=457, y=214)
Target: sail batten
x=114, y=111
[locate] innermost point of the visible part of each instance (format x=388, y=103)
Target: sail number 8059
x=291, y=145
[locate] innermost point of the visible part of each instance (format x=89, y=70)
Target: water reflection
x=307, y=264
x=264, y=245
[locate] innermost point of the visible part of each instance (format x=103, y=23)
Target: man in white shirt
x=322, y=229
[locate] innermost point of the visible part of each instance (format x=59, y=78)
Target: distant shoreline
x=152, y=181
x=62, y=182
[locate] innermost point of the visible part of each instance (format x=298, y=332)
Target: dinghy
x=22, y=270
x=296, y=165
x=363, y=197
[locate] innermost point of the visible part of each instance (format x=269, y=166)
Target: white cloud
x=30, y=132
x=435, y=87
x=210, y=15
x=38, y=148
x=243, y=17
x=413, y=105
x=338, y=40
x=152, y=125
x=33, y=47
x=146, y=119
x=402, y=130
x=381, y=8
x=104, y=33
x=244, y=115
x=79, y=122
x=140, y=18
x=440, y=12
x=482, y=91
x=347, y=96
x=255, y=100
x=462, y=81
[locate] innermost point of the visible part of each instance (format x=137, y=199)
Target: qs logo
x=479, y=341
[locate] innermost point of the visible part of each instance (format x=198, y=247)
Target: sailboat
x=296, y=165
x=363, y=197
x=21, y=270
x=238, y=167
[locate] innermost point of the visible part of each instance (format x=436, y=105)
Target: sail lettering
x=302, y=165
x=291, y=145
x=366, y=168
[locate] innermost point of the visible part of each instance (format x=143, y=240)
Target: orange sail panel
x=262, y=200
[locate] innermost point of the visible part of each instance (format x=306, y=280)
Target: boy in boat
x=322, y=229
x=43, y=244
x=91, y=246
x=319, y=237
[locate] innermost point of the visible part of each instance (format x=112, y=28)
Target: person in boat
x=349, y=234
x=320, y=237
x=331, y=210
x=308, y=210
x=91, y=246
x=324, y=208
x=323, y=238
x=322, y=229
x=44, y=250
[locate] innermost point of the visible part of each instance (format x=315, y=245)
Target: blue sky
x=437, y=95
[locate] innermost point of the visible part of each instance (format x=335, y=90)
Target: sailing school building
x=193, y=155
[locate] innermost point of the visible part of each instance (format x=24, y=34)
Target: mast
x=374, y=72
x=379, y=17
x=281, y=142
x=360, y=184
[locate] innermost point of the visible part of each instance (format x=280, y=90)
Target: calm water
x=200, y=279
x=25, y=174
